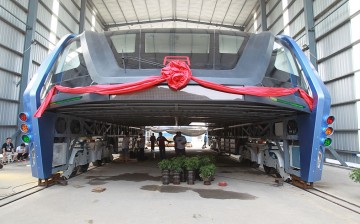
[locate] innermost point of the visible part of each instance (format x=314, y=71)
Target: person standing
x=180, y=142
x=7, y=149
x=152, y=141
x=125, y=147
x=205, y=141
x=141, y=145
x=175, y=145
x=161, y=143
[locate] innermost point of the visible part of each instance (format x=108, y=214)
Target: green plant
x=192, y=163
x=165, y=164
x=177, y=164
x=205, y=160
x=207, y=171
x=355, y=175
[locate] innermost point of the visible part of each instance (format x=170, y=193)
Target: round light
x=329, y=131
x=24, y=128
x=330, y=120
x=327, y=142
x=25, y=138
x=23, y=117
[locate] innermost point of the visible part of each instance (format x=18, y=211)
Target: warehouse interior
x=34, y=27
x=258, y=142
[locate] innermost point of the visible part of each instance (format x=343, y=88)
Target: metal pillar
x=82, y=16
x=27, y=61
x=310, y=30
x=263, y=15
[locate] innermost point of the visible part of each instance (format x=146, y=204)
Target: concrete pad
x=133, y=193
x=15, y=177
x=335, y=180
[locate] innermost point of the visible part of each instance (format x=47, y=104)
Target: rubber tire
x=74, y=172
x=84, y=168
x=241, y=159
x=97, y=163
x=277, y=174
x=267, y=169
x=255, y=165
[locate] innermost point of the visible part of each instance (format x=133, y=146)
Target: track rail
x=29, y=191
x=335, y=200
x=19, y=195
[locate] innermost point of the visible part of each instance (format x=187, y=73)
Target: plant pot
x=182, y=176
x=176, y=178
x=197, y=174
x=207, y=181
x=165, y=177
x=190, y=177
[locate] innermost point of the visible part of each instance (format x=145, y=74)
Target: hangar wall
x=338, y=50
x=337, y=42
x=54, y=20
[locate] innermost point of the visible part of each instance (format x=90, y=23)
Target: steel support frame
x=337, y=156
x=82, y=16
x=26, y=63
x=88, y=128
x=265, y=131
x=115, y=25
x=263, y=15
x=310, y=31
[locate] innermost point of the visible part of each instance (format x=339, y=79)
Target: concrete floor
x=134, y=194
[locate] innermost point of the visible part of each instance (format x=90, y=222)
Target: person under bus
x=161, y=143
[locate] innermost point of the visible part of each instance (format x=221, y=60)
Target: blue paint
x=311, y=125
x=42, y=128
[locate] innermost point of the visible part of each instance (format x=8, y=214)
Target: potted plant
x=355, y=175
x=165, y=166
x=207, y=172
x=183, y=169
x=191, y=164
x=204, y=160
x=176, y=167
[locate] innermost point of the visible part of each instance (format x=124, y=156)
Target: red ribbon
x=177, y=74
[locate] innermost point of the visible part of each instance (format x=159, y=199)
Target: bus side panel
x=311, y=126
x=41, y=146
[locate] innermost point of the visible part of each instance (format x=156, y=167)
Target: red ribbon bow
x=177, y=74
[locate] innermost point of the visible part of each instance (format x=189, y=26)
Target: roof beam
x=132, y=3
x=107, y=9
x=227, y=10
x=147, y=10
x=202, y=3
x=122, y=12
x=160, y=9
x=93, y=8
x=250, y=16
x=242, y=7
x=174, y=9
x=167, y=20
x=212, y=16
x=188, y=10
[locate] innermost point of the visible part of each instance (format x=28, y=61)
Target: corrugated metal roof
x=124, y=14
